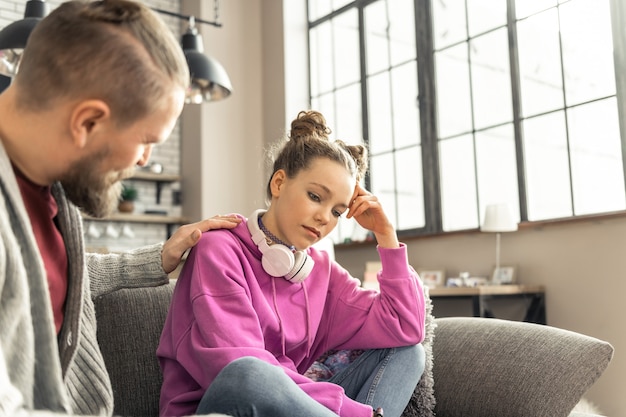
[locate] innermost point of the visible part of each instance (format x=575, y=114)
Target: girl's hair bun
x=309, y=124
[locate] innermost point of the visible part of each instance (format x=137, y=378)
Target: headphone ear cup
x=303, y=265
x=277, y=260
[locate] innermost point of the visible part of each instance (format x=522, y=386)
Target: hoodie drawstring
x=309, y=339
x=280, y=321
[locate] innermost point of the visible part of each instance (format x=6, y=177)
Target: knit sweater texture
x=42, y=373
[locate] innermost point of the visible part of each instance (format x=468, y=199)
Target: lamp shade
x=209, y=80
x=498, y=219
x=14, y=36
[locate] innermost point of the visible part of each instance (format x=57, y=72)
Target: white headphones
x=278, y=260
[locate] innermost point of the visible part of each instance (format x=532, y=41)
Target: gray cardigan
x=39, y=371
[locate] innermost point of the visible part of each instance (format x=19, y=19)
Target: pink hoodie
x=225, y=306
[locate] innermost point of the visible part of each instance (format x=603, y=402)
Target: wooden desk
x=481, y=295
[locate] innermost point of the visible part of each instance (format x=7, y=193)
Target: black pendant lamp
x=209, y=80
x=14, y=36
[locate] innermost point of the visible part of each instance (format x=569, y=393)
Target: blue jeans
x=250, y=387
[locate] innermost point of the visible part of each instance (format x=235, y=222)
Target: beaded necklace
x=272, y=237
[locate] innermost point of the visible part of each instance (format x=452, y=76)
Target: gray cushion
x=129, y=327
x=494, y=368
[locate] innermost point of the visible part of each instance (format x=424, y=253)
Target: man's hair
x=118, y=51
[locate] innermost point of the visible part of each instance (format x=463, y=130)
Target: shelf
x=151, y=176
x=482, y=295
x=158, y=179
x=139, y=218
x=168, y=221
x=504, y=289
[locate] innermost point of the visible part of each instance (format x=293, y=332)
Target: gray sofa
x=475, y=367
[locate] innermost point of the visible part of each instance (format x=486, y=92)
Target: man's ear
x=277, y=181
x=86, y=118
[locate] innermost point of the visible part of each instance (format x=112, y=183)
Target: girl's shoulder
x=218, y=240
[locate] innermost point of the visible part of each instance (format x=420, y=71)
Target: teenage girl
x=255, y=306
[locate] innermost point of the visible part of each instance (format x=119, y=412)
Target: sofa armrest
x=130, y=322
x=491, y=367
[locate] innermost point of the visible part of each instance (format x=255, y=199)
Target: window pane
x=379, y=103
x=376, y=24
x=587, y=50
x=453, y=92
x=597, y=169
x=338, y=4
x=319, y=8
x=410, y=189
x=458, y=183
x=497, y=168
x=406, y=117
x=448, y=22
x=572, y=166
x=321, y=59
x=325, y=104
x=524, y=8
x=547, y=167
x=348, y=230
x=539, y=59
x=484, y=15
x=383, y=184
x=348, y=123
x=491, y=79
x=346, y=48
x=401, y=30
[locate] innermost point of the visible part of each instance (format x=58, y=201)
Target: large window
x=464, y=103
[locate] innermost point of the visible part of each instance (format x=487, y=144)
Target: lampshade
x=14, y=36
x=209, y=80
x=498, y=219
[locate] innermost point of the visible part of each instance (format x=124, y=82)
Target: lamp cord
x=186, y=17
x=216, y=10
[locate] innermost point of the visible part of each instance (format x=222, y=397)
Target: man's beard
x=96, y=194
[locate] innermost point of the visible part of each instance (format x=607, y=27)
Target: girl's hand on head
x=369, y=213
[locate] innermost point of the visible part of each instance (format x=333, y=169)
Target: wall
x=225, y=144
x=222, y=142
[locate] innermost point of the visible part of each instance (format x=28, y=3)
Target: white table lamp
x=497, y=220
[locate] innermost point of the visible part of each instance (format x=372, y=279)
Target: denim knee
x=246, y=373
x=241, y=384
x=415, y=357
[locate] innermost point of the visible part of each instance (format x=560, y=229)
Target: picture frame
x=503, y=275
x=432, y=277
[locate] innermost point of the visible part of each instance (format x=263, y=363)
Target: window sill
x=539, y=224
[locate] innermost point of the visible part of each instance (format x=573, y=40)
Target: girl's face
x=306, y=208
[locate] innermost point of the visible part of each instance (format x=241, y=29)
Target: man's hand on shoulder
x=185, y=237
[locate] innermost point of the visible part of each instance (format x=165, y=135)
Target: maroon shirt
x=42, y=209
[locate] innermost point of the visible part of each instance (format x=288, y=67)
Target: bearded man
x=100, y=83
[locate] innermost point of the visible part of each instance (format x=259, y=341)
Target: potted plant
x=127, y=199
